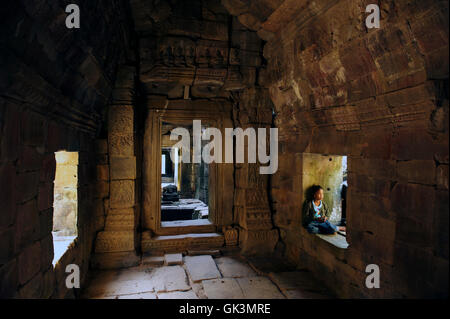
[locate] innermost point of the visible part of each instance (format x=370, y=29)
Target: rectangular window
x=330, y=172
x=65, y=203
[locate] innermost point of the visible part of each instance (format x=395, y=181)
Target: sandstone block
x=153, y=260
x=27, y=186
x=46, y=252
x=9, y=279
x=417, y=171
x=121, y=144
x=225, y=288
x=114, y=241
x=6, y=244
x=170, y=278
x=45, y=196
x=259, y=288
x=48, y=168
x=122, y=194
x=442, y=176
x=173, y=259
x=119, y=222
x=7, y=194
x=201, y=268
x=27, y=224
x=101, y=189
x=115, y=260
x=45, y=222
x=121, y=119
x=32, y=129
x=233, y=267
x=32, y=289
x=103, y=172
x=48, y=283
x=29, y=262
x=123, y=167
x=178, y=295
x=29, y=159
x=101, y=146
x=10, y=143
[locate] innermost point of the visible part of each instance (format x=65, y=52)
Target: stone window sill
x=336, y=240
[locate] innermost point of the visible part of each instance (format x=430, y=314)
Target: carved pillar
x=252, y=208
x=116, y=245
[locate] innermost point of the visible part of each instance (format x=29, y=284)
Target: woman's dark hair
x=312, y=191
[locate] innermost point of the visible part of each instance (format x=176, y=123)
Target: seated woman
x=316, y=214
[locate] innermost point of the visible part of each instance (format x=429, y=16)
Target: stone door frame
x=215, y=114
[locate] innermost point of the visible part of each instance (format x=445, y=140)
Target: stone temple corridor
x=204, y=277
x=99, y=201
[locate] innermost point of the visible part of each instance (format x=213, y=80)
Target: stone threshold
x=186, y=227
x=163, y=244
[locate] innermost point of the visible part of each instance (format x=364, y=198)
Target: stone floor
x=204, y=277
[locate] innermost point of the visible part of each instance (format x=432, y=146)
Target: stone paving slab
x=169, y=278
x=178, y=295
x=153, y=260
x=299, y=294
x=297, y=280
x=201, y=268
x=145, y=295
x=264, y=266
x=124, y=287
x=232, y=267
x=173, y=259
x=259, y=288
x=225, y=288
x=135, y=273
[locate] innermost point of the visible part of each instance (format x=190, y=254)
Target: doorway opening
x=184, y=186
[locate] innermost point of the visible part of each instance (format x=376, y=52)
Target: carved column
x=116, y=244
x=252, y=208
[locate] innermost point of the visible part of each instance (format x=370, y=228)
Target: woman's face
x=318, y=195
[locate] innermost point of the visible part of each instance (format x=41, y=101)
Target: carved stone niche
x=211, y=113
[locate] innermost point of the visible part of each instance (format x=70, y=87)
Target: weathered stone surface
x=122, y=194
x=297, y=280
x=178, y=295
x=123, y=167
x=225, y=288
x=120, y=219
x=29, y=262
x=169, y=278
x=114, y=260
x=173, y=259
x=121, y=119
x=153, y=260
x=114, y=241
x=259, y=288
x=121, y=144
x=201, y=268
x=234, y=268
x=143, y=295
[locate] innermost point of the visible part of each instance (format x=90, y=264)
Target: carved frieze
x=200, y=62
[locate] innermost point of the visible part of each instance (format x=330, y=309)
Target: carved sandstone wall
x=54, y=84
x=379, y=96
